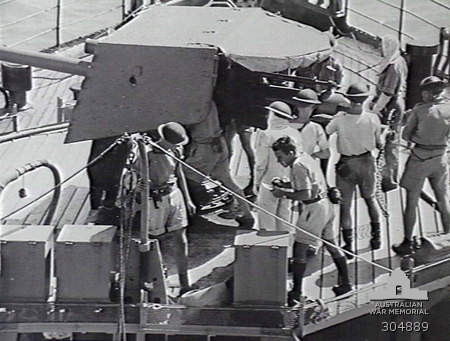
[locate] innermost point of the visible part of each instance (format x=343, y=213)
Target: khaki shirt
x=313, y=137
x=392, y=82
x=429, y=124
x=305, y=175
x=356, y=134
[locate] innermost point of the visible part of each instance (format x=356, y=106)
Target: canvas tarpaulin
x=252, y=37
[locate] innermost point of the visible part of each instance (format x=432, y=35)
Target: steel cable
x=217, y=183
x=101, y=155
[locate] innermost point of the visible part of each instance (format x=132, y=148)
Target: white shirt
x=313, y=137
x=266, y=164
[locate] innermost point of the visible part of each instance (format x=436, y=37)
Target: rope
x=380, y=163
x=126, y=202
x=154, y=144
x=101, y=155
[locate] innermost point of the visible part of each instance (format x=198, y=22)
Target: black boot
x=405, y=248
x=375, y=242
x=347, y=235
x=344, y=287
x=298, y=270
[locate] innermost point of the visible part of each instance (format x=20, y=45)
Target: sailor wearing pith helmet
x=267, y=168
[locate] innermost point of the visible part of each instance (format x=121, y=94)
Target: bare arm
x=411, y=126
x=261, y=158
x=182, y=184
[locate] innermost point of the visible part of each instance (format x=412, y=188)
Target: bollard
x=420, y=56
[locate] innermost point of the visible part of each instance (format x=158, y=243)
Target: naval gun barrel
x=45, y=60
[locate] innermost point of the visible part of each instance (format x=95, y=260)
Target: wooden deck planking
x=64, y=203
x=67, y=157
x=388, y=15
x=72, y=201
x=77, y=204
x=17, y=154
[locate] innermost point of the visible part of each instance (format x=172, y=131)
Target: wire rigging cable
x=101, y=155
x=156, y=145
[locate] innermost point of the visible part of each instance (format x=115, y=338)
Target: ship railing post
x=15, y=118
x=400, y=23
x=58, y=22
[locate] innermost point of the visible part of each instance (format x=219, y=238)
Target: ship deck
x=210, y=259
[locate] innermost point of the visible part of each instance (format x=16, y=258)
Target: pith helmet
x=174, y=133
x=337, y=99
x=357, y=93
x=281, y=109
x=307, y=97
x=432, y=83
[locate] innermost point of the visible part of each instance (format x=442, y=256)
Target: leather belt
x=355, y=156
x=430, y=146
x=316, y=199
x=161, y=190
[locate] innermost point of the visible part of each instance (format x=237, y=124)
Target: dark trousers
x=392, y=116
x=104, y=175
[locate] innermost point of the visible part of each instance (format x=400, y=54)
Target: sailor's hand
x=191, y=208
x=278, y=193
x=256, y=188
x=140, y=186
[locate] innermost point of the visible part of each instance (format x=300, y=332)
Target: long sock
x=341, y=265
x=375, y=228
x=298, y=270
x=184, y=280
x=347, y=235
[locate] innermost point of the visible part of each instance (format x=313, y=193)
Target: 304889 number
x=404, y=326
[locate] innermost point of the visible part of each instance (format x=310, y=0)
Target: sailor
x=428, y=128
x=314, y=139
x=244, y=133
x=358, y=135
x=389, y=104
x=316, y=217
x=169, y=197
x=208, y=153
x=104, y=177
x=325, y=68
x=267, y=168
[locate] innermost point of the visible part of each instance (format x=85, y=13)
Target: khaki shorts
x=171, y=214
x=435, y=170
x=316, y=218
x=362, y=173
